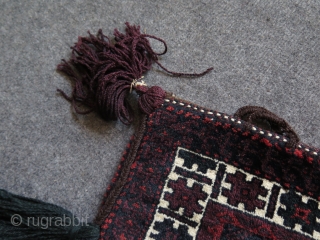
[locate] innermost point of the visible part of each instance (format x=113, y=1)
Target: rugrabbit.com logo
x=46, y=222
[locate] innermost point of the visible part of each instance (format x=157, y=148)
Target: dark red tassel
x=151, y=98
x=104, y=73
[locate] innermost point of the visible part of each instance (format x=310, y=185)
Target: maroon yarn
x=103, y=72
x=253, y=113
x=151, y=98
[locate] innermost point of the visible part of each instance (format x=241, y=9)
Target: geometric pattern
x=193, y=173
x=221, y=222
x=167, y=231
x=179, y=189
x=245, y=192
x=297, y=212
x=185, y=197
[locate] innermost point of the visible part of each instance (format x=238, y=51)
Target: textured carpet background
x=265, y=53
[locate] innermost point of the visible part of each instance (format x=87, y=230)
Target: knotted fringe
x=27, y=218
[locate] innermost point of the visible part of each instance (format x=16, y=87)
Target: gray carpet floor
x=264, y=53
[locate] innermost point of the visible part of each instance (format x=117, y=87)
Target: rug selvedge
x=201, y=174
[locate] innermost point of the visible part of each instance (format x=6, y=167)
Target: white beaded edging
x=239, y=122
